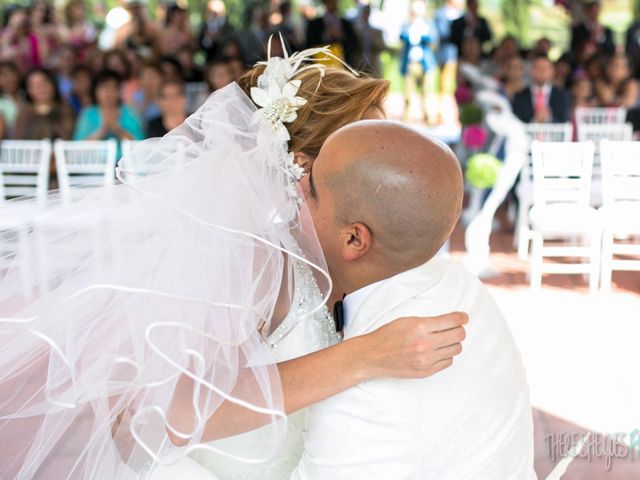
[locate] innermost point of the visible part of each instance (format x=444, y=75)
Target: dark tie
x=338, y=316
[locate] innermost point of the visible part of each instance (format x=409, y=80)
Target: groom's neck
x=359, y=278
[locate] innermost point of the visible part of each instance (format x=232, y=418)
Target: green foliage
x=516, y=18
x=470, y=114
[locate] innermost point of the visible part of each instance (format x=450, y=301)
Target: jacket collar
x=393, y=292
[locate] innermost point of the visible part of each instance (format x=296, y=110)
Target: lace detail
x=311, y=333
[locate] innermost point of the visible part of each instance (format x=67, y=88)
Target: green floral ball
x=483, y=170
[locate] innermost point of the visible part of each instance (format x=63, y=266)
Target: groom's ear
x=303, y=160
x=356, y=240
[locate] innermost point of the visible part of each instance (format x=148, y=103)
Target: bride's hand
x=413, y=347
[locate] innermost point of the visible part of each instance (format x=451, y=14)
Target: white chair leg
x=594, y=276
x=606, y=261
x=536, y=260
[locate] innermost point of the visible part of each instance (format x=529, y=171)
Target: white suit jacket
x=470, y=421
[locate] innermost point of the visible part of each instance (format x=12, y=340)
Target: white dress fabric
x=304, y=336
x=470, y=421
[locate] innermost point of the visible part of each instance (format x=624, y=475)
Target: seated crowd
x=594, y=72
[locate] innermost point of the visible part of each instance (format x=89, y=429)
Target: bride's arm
x=411, y=347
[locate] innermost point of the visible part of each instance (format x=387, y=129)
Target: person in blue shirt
x=418, y=63
x=108, y=117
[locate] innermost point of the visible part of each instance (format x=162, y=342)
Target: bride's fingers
x=444, y=322
x=448, y=337
x=439, y=366
x=449, y=352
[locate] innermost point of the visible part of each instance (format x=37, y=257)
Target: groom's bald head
x=384, y=184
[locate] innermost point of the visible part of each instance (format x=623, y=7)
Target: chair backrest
x=620, y=166
x=85, y=163
x=599, y=116
x=613, y=131
x=24, y=167
x=562, y=172
x=549, y=132
x=543, y=132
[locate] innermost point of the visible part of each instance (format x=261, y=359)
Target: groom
x=385, y=199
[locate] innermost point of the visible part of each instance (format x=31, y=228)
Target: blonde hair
x=333, y=101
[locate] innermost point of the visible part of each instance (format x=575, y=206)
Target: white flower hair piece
x=276, y=93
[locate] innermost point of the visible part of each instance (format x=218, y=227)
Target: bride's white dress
x=308, y=334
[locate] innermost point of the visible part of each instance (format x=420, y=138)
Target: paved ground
x=581, y=352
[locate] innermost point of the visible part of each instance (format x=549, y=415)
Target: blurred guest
x=95, y=60
x=541, y=47
x=282, y=21
x=81, y=90
x=44, y=115
x=64, y=62
x=17, y=41
x=541, y=102
x=563, y=68
x=140, y=33
x=117, y=61
x=80, y=34
x=215, y=30
x=254, y=35
x=513, y=76
x=10, y=93
x=581, y=91
x=332, y=30
x=506, y=49
x=172, y=102
x=370, y=43
x=108, y=117
x=447, y=53
x=470, y=53
x=238, y=68
x=218, y=74
x=3, y=128
x=632, y=45
x=617, y=88
x=145, y=100
x=45, y=36
x=190, y=71
x=471, y=24
x=592, y=31
x=176, y=33
x=594, y=67
x=171, y=68
x=418, y=62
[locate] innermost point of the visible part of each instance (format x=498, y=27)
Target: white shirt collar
x=352, y=302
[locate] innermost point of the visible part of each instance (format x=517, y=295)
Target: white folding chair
x=620, y=211
x=594, y=116
x=24, y=172
x=561, y=210
x=542, y=132
x=611, y=131
x=622, y=132
x=86, y=163
x=25, y=168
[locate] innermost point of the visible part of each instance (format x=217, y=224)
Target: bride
x=186, y=305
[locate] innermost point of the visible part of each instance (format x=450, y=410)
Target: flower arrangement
x=482, y=170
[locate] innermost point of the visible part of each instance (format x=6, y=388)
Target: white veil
x=173, y=273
